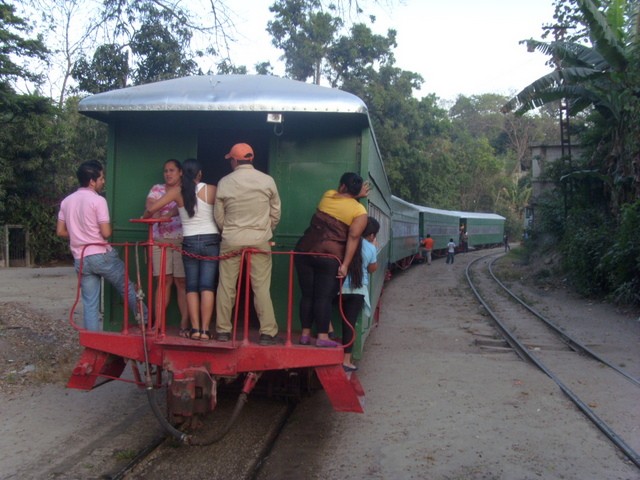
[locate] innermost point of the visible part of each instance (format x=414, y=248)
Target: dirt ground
x=437, y=407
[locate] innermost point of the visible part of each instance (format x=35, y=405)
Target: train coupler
x=250, y=382
x=191, y=392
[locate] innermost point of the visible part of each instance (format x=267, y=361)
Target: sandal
x=184, y=332
x=205, y=335
x=194, y=334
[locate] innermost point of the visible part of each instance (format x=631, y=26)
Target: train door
x=213, y=145
x=462, y=230
x=463, y=237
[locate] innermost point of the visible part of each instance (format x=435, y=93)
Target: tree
x=602, y=77
x=16, y=46
x=160, y=45
x=304, y=34
x=108, y=70
x=15, y=108
x=67, y=38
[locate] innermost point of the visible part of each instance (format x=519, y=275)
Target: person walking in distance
x=247, y=209
x=84, y=220
x=427, y=243
x=451, y=251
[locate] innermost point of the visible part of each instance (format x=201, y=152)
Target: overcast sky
x=459, y=46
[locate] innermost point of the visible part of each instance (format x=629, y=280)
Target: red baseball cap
x=240, y=151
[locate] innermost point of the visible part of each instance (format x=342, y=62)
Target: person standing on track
x=427, y=243
x=248, y=210
x=169, y=233
x=84, y=220
x=451, y=251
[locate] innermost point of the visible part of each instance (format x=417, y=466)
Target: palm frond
x=527, y=104
x=544, y=89
x=569, y=53
x=605, y=39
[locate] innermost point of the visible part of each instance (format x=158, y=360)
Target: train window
x=384, y=221
x=213, y=145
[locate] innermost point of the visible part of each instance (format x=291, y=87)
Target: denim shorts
x=201, y=273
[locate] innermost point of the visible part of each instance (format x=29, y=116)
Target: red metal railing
x=157, y=326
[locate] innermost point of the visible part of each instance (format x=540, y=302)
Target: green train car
x=405, y=228
x=304, y=136
x=483, y=229
x=440, y=224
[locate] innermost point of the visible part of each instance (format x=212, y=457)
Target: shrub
x=621, y=262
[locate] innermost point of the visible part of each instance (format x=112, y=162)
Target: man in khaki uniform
x=247, y=209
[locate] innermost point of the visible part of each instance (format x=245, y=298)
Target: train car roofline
x=224, y=93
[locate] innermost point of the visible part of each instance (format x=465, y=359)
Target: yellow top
x=344, y=209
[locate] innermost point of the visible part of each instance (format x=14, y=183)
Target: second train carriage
x=411, y=223
x=405, y=232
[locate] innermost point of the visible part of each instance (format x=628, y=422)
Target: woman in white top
x=200, y=244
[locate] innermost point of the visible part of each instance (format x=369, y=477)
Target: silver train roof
x=233, y=93
x=455, y=213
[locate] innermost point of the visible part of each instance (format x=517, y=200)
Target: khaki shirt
x=247, y=207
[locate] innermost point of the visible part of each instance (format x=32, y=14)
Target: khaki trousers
x=260, y=284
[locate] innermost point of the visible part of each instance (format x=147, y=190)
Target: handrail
x=158, y=325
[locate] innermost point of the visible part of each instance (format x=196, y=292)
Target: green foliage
x=39, y=154
x=594, y=211
x=305, y=34
x=108, y=70
x=551, y=218
x=158, y=45
x=15, y=51
x=157, y=33
x=582, y=247
x=40, y=221
x=621, y=262
x=596, y=71
x=14, y=45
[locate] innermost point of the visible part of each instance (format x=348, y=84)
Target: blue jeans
x=111, y=268
x=200, y=274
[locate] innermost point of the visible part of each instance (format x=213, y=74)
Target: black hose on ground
x=170, y=429
x=204, y=441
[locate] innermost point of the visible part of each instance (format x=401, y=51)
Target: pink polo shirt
x=82, y=212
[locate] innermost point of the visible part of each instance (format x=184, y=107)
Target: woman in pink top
x=169, y=233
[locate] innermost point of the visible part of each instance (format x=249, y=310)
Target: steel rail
x=524, y=353
x=571, y=342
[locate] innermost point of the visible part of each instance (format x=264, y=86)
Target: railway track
x=604, y=392
x=237, y=456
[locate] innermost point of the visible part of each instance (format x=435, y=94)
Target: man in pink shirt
x=84, y=220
